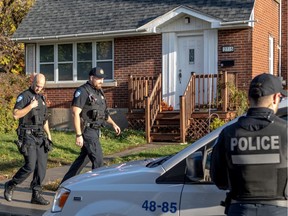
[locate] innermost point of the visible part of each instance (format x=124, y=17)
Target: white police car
x=174, y=185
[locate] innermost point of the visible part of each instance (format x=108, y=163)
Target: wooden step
x=166, y=126
x=172, y=137
x=167, y=122
x=168, y=115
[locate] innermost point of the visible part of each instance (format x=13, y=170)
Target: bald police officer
x=31, y=110
x=89, y=106
x=250, y=156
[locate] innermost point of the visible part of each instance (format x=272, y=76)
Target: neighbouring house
x=155, y=53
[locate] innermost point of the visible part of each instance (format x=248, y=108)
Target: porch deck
x=193, y=119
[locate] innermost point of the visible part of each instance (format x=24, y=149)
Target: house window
x=47, y=61
x=73, y=61
x=104, y=57
x=84, y=60
x=271, y=55
x=65, y=62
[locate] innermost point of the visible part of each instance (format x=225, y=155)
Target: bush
x=11, y=85
x=216, y=122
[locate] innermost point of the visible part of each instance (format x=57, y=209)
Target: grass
x=65, y=151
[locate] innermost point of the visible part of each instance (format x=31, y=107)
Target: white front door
x=190, y=58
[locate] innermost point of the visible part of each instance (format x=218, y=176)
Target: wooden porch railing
x=203, y=92
x=138, y=89
x=153, y=107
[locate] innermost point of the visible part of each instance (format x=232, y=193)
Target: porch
x=207, y=96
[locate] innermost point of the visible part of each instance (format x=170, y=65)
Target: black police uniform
x=32, y=137
x=94, y=114
x=250, y=159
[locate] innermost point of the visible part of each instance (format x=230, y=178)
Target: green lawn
x=65, y=151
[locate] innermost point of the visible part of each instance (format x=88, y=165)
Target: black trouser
x=91, y=151
x=35, y=161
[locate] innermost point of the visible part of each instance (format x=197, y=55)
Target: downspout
x=280, y=39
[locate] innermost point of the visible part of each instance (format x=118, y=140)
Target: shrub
x=216, y=122
x=11, y=85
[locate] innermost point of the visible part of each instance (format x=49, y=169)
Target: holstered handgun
x=48, y=145
x=22, y=148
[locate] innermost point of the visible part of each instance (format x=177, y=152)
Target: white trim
x=30, y=53
x=211, y=51
x=153, y=25
x=71, y=84
x=85, y=36
x=271, y=54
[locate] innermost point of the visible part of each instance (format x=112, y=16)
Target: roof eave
x=118, y=33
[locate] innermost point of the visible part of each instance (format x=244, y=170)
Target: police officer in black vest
x=31, y=110
x=250, y=156
x=89, y=112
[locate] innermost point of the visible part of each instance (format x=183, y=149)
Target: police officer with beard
x=31, y=110
x=250, y=156
x=89, y=112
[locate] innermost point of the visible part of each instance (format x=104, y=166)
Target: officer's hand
x=117, y=129
x=34, y=103
x=79, y=141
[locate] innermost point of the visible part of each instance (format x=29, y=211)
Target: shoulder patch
x=20, y=97
x=77, y=93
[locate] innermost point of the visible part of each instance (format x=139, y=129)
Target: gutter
x=57, y=37
x=237, y=22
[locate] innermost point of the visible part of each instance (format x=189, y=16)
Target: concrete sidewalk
x=21, y=206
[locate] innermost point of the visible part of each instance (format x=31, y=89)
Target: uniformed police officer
x=250, y=156
x=89, y=110
x=31, y=110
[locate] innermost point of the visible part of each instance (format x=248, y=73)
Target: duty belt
x=92, y=125
x=281, y=203
x=35, y=132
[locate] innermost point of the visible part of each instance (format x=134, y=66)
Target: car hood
x=107, y=174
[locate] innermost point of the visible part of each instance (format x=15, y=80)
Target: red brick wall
x=266, y=13
x=59, y=98
x=242, y=55
x=284, y=51
x=132, y=55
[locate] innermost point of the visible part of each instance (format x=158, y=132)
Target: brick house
x=65, y=38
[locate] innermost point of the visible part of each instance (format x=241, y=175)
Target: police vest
x=258, y=162
x=38, y=115
x=94, y=110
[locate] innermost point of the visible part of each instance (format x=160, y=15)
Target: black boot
x=37, y=198
x=8, y=192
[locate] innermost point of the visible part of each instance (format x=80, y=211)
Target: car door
x=200, y=196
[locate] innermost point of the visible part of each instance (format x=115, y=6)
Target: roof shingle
x=64, y=17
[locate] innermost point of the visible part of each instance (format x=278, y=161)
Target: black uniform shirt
x=82, y=99
x=250, y=156
x=24, y=99
x=81, y=95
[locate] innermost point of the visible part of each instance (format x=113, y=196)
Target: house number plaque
x=227, y=49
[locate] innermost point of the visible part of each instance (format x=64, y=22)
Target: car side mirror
x=194, y=167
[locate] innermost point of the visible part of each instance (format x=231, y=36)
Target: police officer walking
x=31, y=110
x=89, y=112
x=250, y=156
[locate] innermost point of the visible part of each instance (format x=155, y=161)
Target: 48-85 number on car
x=164, y=206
